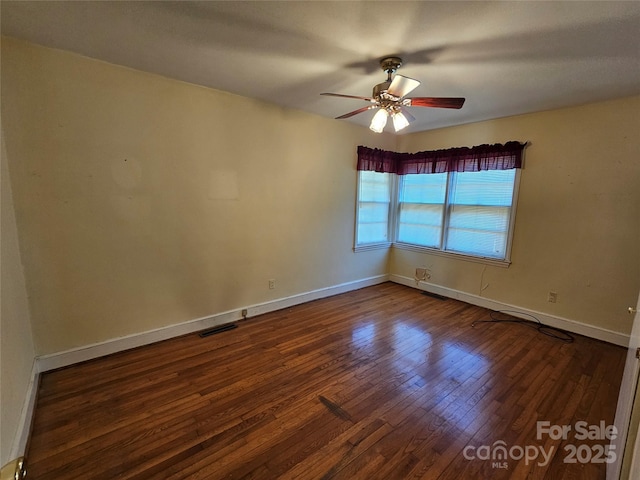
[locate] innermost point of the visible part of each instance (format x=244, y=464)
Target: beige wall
x=577, y=228
x=143, y=202
x=16, y=344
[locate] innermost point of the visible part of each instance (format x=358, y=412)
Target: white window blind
x=374, y=199
x=459, y=212
x=421, y=205
x=479, y=211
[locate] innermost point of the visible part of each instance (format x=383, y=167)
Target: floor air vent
x=220, y=329
x=434, y=295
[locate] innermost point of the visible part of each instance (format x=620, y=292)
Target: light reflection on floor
x=426, y=363
x=410, y=344
x=414, y=349
x=363, y=335
x=414, y=355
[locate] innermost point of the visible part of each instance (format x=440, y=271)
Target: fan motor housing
x=380, y=88
x=388, y=65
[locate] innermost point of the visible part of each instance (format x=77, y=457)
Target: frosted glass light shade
x=399, y=121
x=379, y=120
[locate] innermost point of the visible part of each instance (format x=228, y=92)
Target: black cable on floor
x=534, y=323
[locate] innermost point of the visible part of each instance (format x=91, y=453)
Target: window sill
x=459, y=256
x=371, y=246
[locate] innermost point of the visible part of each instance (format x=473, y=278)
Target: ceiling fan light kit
x=389, y=98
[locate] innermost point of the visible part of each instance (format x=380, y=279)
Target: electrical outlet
x=272, y=283
x=244, y=313
x=553, y=297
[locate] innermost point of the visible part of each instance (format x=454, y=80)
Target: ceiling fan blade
x=401, y=86
x=355, y=112
x=437, y=102
x=368, y=99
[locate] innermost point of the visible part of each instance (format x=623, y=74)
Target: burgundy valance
x=461, y=159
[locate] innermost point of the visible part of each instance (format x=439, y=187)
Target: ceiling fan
x=389, y=98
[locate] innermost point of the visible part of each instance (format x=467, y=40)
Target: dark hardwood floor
x=379, y=383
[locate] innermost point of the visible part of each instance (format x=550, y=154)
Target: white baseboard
x=572, y=326
x=19, y=445
x=89, y=352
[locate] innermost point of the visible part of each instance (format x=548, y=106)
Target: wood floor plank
x=378, y=383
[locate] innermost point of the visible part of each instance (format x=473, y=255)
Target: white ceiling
x=506, y=58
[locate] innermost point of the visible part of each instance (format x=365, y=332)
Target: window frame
x=394, y=224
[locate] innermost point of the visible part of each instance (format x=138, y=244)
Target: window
x=421, y=206
x=374, y=200
x=461, y=212
x=479, y=212
x=454, y=201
